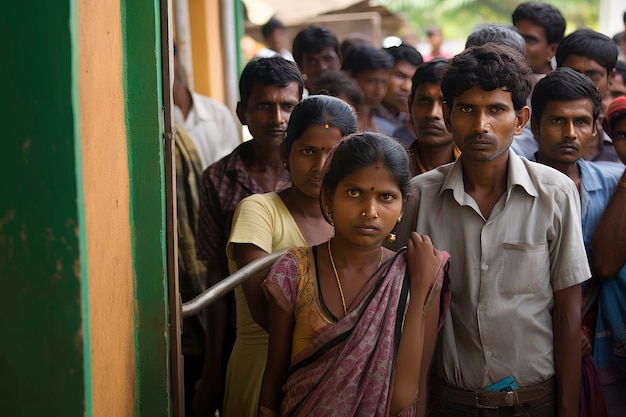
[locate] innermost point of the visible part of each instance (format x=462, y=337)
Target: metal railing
x=208, y=296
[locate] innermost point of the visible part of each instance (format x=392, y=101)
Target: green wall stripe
x=82, y=218
x=142, y=89
x=41, y=354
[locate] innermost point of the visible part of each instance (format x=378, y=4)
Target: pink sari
x=348, y=368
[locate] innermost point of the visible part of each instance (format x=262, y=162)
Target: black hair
x=338, y=84
x=361, y=150
x=620, y=67
x=314, y=39
x=270, y=26
x=429, y=72
x=275, y=71
x=319, y=110
x=366, y=58
x=488, y=66
x=432, y=30
x=494, y=32
x=590, y=44
x=404, y=52
x=564, y=84
x=545, y=15
x=354, y=39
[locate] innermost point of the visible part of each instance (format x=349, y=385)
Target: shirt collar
x=589, y=178
x=518, y=176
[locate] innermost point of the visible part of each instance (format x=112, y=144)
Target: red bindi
x=372, y=189
x=323, y=149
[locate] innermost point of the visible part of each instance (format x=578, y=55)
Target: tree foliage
x=457, y=18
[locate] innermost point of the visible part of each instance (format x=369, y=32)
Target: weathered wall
x=103, y=143
x=83, y=288
x=42, y=274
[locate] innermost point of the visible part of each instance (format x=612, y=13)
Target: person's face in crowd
x=619, y=138
x=308, y=155
x=399, y=87
x=313, y=63
x=277, y=40
x=373, y=191
x=427, y=115
x=268, y=111
x=617, y=89
x=537, y=49
x=564, y=131
x=483, y=123
x=374, y=85
x=435, y=39
x=593, y=70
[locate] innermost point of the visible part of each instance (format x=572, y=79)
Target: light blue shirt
x=597, y=186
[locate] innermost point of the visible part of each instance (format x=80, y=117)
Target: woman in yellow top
x=265, y=223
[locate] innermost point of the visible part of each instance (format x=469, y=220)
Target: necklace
x=332, y=262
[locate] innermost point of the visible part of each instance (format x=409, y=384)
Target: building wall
x=42, y=273
x=83, y=300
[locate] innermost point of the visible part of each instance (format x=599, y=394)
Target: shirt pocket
x=524, y=268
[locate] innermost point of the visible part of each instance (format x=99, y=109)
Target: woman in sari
x=352, y=324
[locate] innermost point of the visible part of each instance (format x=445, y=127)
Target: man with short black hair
x=275, y=36
x=315, y=50
x=566, y=105
x=392, y=113
x=370, y=67
x=595, y=55
x=434, y=145
x=510, y=344
x=542, y=26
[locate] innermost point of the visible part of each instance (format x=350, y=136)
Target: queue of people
x=455, y=229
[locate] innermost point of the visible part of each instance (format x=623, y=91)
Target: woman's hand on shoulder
x=423, y=262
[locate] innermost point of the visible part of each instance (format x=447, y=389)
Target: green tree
x=457, y=18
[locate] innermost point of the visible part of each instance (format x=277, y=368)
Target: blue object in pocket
x=505, y=384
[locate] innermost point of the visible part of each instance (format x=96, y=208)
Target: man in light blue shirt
x=566, y=105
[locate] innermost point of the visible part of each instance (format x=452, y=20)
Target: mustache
x=480, y=137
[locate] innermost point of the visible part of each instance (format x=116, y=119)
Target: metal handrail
x=208, y=296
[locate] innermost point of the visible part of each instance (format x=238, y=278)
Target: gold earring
x=363, y=214
x=399, y=219
x=392, y=237
x=285, y=165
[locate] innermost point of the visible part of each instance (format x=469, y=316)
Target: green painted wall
x=41, y=353
x=142, y=83
x=44, y=353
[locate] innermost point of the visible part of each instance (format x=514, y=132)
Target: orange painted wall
x=206, y=43
x=106, y=202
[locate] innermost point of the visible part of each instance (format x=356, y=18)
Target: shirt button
x=484, y=267
x=482, y=307
x=489, y=353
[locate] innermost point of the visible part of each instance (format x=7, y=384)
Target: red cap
x=616, y=111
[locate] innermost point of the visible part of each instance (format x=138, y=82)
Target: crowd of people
x=455, y=227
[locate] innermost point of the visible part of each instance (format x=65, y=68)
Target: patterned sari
x=348, y=368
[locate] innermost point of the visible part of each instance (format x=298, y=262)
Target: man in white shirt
x=209, y=123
